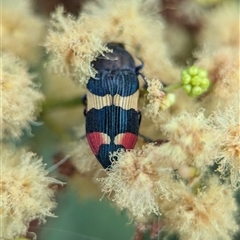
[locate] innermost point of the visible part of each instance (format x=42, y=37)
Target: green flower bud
x=192, y=71
x=187, y=88
x=184, y=73
x=197, y=90
x=205, y=83
x=186, y=79
x=202, y=73
x=195, y=81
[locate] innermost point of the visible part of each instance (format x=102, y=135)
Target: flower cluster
x=73, y=47
x=201, y=216
x=195, y=81
x=189, y=133
x=137, y=182
x=228, y=155
x=20, y=97
x=157, y=99
x=18, y=21
x=143, y=181
x=25, y=191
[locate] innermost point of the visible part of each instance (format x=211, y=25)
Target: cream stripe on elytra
x=98, y=102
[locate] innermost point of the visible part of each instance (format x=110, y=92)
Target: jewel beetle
x=112, y=116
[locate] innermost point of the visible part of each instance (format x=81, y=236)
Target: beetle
x=112, y=116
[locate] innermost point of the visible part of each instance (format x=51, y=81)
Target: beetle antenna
x=108, y=58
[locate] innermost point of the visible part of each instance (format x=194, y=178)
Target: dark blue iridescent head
x=119, y=59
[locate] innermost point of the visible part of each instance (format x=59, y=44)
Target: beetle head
x=118, y=59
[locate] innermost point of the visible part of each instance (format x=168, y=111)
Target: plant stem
x=172, y=87
x=55, y=104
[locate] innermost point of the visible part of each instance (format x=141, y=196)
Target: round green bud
x=184, y=73
x=193, y=70
x=202, y=73
x=187, y=88
x=195, y=81
x=186, y=79
x=205, y=83
x=197, y=90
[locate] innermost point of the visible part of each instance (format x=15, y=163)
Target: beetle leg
x=149, y=140
x=144, y=78
x=139, y=116
x=138, y=68
x=82, y=137
x=84, y=100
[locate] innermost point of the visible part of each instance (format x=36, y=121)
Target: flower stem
x=172, y=87
x=68, y=103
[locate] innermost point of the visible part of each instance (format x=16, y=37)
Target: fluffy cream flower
x=157, y=100
x=137, y=180
x=19, y=97
x=73, y=46
x=88, y=168
x=193, y=135
x=82, y=157
x=227, y=28
x=22, y=31
x=25, y=191
x=223, y=67
x=207, y=215
x=228, y=156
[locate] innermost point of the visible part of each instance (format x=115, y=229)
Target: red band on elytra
x=96, y=139
x=128, y=140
